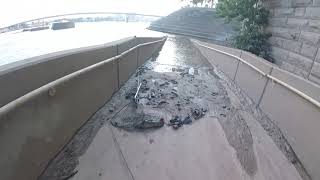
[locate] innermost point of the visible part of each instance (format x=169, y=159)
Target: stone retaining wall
x=295, y=28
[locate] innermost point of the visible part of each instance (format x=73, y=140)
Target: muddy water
x=177, y=82
x=179, y=51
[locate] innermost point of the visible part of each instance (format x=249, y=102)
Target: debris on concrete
x=149, y=122
x=187, y=120
x=141, y=70
x=137, y=121
x=179, y=97
x=176, y=122
x=191, y=71
x=214, y=94
x=198, y=113
x=173, y=81
x=167, y=94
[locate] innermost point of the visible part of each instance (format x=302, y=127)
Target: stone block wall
x=295, y=28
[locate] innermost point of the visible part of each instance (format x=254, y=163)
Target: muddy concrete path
x=184, y=121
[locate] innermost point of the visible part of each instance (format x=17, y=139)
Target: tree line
x=253, y=19
x=209, y=3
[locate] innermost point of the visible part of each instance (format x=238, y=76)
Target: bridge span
x=47, y=19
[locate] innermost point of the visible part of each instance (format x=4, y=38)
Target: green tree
x=196, y=2
x=253, y=18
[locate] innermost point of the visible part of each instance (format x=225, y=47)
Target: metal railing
x=267, y=75
x=51, y=86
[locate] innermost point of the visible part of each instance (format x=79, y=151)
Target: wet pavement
x=186, y=122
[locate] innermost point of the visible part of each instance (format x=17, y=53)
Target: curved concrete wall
x=36, y=126
x=292, y=102
x=19, y=78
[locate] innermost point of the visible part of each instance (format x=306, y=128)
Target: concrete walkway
x=211, y=148
x=200, y=151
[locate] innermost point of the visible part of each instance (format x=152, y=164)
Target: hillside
x=197, y=22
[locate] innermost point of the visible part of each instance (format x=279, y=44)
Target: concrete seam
x=235, y=74
x=264, y=88
x=120, y=152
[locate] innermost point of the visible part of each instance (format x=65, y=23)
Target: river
x=17, y=46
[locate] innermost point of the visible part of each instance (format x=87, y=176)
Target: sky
x=14, y=11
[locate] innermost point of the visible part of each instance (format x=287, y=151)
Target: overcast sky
x=13, y=11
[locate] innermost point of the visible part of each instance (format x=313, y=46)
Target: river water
x=17, y=46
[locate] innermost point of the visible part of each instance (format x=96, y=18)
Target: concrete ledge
x=251, y=82
x=127, y=65
x=33, y=131
x=36, y=126
x=258, y=62
x=299, y=121
x=38, y=71
x=310, y=88
x=127, y=44
x=19, y=78
x=292, y=102
x=142, y=40
x=235, y=52
x=19, y=82
x=226, y=63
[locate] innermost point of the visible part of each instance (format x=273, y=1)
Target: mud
x=164, y=99
x=244, y=103
x=178, y=88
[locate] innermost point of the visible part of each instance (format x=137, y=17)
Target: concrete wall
x=295, y=28
x=128, y=43
x=34, y=127
x=19, y=78
x=142, y=40
x=145, y=51
x=291, y=101
x=128, y=64
x=235, y=52
x=299, y=121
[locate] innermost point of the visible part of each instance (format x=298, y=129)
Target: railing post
x=235, y=74
x=314, y=59
x=265, y=87
x=117, y=49
x=138, y=51
x=117, y=63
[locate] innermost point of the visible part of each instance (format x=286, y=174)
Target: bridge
x=46, y=20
